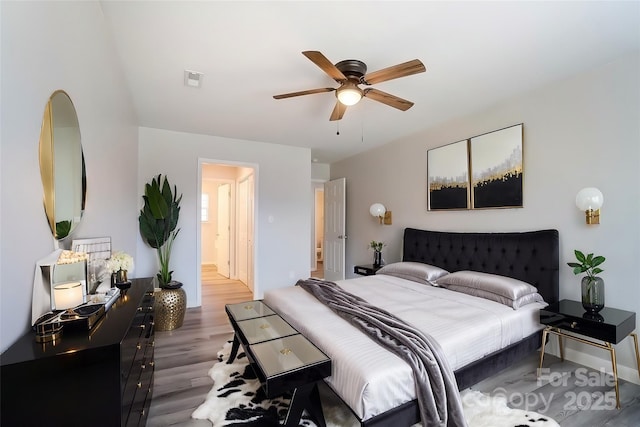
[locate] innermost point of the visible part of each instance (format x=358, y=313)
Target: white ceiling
x=476, y=54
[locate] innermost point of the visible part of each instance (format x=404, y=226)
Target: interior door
x=334, y=229
x=250, y=229
x=222, y=232
x=243, y=233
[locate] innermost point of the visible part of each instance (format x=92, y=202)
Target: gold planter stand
x=170, y=306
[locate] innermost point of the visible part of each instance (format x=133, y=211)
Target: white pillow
x=414, y=271
x=505, y=290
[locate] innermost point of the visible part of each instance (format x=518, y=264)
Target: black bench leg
x=234, y=349
x=305, y=397
x=315, y=407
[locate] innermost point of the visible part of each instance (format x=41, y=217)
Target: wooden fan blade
x=401, y=70
x=327, y=66
x=304, y=92
x=338, y=111
x=386, y=98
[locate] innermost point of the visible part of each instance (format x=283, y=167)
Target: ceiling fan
x=351, y=73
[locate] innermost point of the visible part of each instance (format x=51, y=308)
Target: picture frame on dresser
x=98, y=250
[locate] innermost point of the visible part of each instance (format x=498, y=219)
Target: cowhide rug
x=237, y=400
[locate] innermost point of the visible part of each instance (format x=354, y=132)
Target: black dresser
x=101, y=377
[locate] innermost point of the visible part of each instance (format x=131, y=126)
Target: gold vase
x=120, y=281
x=121, y=276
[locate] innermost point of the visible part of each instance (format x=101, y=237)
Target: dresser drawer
x=142, y=392
x=137, y=364
x=136, y=340
x=138, y=379
x=130, y=351
x=130, y=389
x=148, y=300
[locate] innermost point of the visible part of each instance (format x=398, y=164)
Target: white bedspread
x=372, y=380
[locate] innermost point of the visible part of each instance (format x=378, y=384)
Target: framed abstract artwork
x=496, y=165
x=448, y=176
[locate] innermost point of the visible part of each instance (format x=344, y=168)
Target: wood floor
x=570, y=394
x=184, y=356
x=319, y=272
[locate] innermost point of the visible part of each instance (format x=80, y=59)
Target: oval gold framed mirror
x=62, y=166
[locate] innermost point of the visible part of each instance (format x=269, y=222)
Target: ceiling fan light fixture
x=349, y=94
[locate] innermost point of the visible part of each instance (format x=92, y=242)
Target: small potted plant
x=377, y=252
x=592, y=285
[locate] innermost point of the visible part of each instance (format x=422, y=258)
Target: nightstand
x=366, y=270
x=610, y=325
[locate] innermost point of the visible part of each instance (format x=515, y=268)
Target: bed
x=479, y=336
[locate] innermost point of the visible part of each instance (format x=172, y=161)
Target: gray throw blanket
x=436, y=388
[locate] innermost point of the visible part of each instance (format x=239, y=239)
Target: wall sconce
x=378, y=210
x=590, y=201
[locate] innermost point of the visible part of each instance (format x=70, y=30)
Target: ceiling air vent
x=193, y=78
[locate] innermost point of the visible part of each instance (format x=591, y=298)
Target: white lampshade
x=349, y=94
x=377, y=210
x=589, y=198
x=67, y=295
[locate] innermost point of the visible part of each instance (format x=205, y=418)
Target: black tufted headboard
x=532, y=256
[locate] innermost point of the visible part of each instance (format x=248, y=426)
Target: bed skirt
x=408, y=413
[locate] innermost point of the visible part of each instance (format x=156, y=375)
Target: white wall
x=282, y=230
x=584, y=131
x=48, y=46
x=320, y=172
